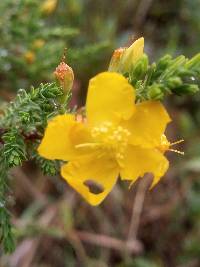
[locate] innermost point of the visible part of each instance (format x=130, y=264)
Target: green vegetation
x=43, y=211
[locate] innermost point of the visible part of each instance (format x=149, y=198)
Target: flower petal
x=139, y=161
x=101, y=171
x=61, y=136
x=147, y=124
x=110, y=98
x=132, y=54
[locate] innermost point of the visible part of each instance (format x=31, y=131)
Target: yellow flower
x=29, y=57
x=118, y=137
x=48, y=6
x=38, y=43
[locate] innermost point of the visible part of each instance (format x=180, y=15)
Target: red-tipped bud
x=65, y=76
x=116, y=59
x=124, y=59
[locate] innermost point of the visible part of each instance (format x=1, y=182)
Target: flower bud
x=48, y=6
x=174, y=82
x=115, y=60
x=38, y=43
x=155, y=92
x=65, y=76
x=132, y=54
x=140, y=67
x=164, y=62
x=29, y=57
x=186, y=89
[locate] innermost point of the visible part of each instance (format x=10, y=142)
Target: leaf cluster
x=180, y=76
x=22, y=125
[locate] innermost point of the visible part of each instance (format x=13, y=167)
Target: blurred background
x=54, y=226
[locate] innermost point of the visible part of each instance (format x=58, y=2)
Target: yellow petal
x=61, y=136
x=132, y=54
x=147, y=124
x=101, y=171
x=110, y=98
x=139, y=161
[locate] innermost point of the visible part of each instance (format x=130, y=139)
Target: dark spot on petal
x=94, y=187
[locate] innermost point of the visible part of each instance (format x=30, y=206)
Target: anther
x=176, y=151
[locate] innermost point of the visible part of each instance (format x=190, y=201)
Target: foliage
x=169, y=226
x=180, y=76
x=32, y=45
x=22, y=126
x=24, y=120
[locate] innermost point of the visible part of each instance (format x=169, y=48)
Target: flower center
x=114, y=139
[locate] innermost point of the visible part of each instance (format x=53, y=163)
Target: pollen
x=62, y=70
x=118, y=52
x=113, y=139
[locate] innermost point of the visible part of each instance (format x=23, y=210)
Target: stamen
x=92, y=145
x=166, y=145
x=111, y=139
x=176, y=151
x=177, y=142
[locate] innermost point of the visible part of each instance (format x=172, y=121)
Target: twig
x=137, y=208
x=26, y=250
x=76, y=243
x=133, y=246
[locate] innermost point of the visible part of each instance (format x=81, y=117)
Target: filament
x=176, y=151
x=177, y=142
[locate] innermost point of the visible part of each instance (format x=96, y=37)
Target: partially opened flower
x=124, y=58
x=132, y=54
x=117, y=137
